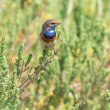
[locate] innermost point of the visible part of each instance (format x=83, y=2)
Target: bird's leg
x=45, y=50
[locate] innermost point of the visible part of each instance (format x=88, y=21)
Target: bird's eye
x=52, y=23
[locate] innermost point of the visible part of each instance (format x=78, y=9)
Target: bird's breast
x=48, y=40
x=50, y=34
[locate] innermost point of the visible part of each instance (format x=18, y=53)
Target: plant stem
x=37, y=70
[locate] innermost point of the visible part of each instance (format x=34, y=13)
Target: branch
x=37, y=70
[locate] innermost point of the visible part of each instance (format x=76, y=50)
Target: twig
x=70, y=7
x=37, y=70
x=100, y=8
x=69, y=11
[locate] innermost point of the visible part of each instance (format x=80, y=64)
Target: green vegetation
x=77, y=78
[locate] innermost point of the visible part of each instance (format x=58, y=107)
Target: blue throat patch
x=50, y=33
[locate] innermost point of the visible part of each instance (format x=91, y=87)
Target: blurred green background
x=79, y=76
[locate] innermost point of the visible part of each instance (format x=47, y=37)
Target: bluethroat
x=48, y=36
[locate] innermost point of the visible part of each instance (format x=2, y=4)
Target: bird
x=48, y=35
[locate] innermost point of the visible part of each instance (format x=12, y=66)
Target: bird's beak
x=57, y=23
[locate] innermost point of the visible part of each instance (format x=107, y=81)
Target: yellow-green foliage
x=9, y=94
x=78, y=78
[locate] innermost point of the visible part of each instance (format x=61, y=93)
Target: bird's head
x=50, y=24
